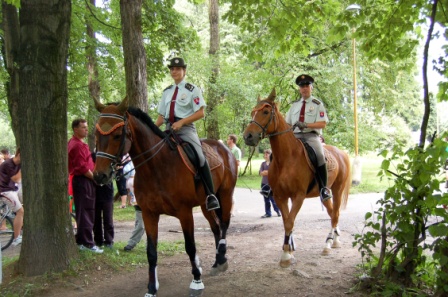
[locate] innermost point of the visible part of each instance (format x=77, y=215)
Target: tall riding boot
x=325, y=192
x=211, y=200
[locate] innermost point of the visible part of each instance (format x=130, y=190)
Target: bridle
x=272, y=117
x=117, y=160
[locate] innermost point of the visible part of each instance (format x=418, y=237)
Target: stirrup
x=211, y=202
x=325, y=194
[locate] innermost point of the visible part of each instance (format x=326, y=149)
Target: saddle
x=311, y=158
x=189, y=156
x=191, y=160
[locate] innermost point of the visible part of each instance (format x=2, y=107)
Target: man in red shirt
x=80, y=165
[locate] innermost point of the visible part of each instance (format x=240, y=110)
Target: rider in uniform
x=309, y=117
x=182, y=104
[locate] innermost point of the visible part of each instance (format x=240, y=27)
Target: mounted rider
x=308, y=117
x=182, y=104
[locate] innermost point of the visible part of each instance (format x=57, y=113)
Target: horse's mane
x=146, y=119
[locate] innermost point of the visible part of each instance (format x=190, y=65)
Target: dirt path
x=253, y=253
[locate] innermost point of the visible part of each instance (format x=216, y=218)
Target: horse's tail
x=347, y=181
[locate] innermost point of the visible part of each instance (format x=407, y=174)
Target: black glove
x=302, y=125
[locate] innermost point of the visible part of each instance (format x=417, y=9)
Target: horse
x=290, y=175
x=163, y=183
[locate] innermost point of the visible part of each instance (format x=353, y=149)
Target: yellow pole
x=355, y=112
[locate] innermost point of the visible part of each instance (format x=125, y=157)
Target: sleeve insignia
x=189, y=87
x=196, y=100
x=167, y=88
x=316, y=101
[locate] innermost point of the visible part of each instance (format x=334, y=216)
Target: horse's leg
x=288, y=223
x=187, y=223
x=151, y=226
x=332, y=240
x=337, y=200
x=219, y=229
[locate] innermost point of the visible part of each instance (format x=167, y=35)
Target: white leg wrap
x=157, y=280
x=286, y=256
x=197, y=285
x=149, y=295
x=197, y=261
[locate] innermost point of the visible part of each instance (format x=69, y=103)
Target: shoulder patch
x=316, y=101
x=167, y=88
x=189, y=87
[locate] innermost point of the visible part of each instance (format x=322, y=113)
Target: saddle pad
x=331, y=162
x=213, y=159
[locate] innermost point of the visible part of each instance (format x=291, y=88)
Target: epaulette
x=189, y=87
x=316, y=101
x=168, y=88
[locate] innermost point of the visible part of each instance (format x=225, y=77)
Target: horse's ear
x=259, y=98
x=272, y=95
x=123, y=106
x=98, y=105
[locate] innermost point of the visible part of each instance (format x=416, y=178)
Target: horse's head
x=263, y=120
x=112, y=139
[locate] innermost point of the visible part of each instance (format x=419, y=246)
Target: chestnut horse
x=163, y=183
x=290, y=175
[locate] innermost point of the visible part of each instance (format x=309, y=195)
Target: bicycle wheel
x=6, y=235
x=74, y=225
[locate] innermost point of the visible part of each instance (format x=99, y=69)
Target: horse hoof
x=285, y=263
x=196, y=285
x=336, y=245
x=220, y=268
x=326, y=252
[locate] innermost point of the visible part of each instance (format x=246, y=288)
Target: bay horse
x=290, y=174
x=163, y=183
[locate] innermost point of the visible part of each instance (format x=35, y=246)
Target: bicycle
x=6, y=225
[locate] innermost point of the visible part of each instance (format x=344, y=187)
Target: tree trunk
x=11, y=44
x=48, y=241
x=134, y=53
x=213, y=93
x=94, y=85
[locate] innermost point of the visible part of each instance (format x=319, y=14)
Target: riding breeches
x=314, y=141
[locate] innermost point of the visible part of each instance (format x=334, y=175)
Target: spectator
x=182, y=104
x=231, y=143
x=80, y=165
x=5, y=153
x=2, y=158
x=129, y=174
x=266, y=188
x=139, y=230
x=103, y=227
x=121, y=184
x=10, y=176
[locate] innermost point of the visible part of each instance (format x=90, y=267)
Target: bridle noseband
x=116, y=159
x=271, y=118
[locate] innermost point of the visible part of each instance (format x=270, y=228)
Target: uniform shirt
x=79, y=157
x=7, y=170
x=314, y=112
x=189, y=99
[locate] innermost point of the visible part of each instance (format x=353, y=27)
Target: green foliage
x=410, y=208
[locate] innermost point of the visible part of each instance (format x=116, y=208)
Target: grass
x=87, y=267
x=370, y=182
